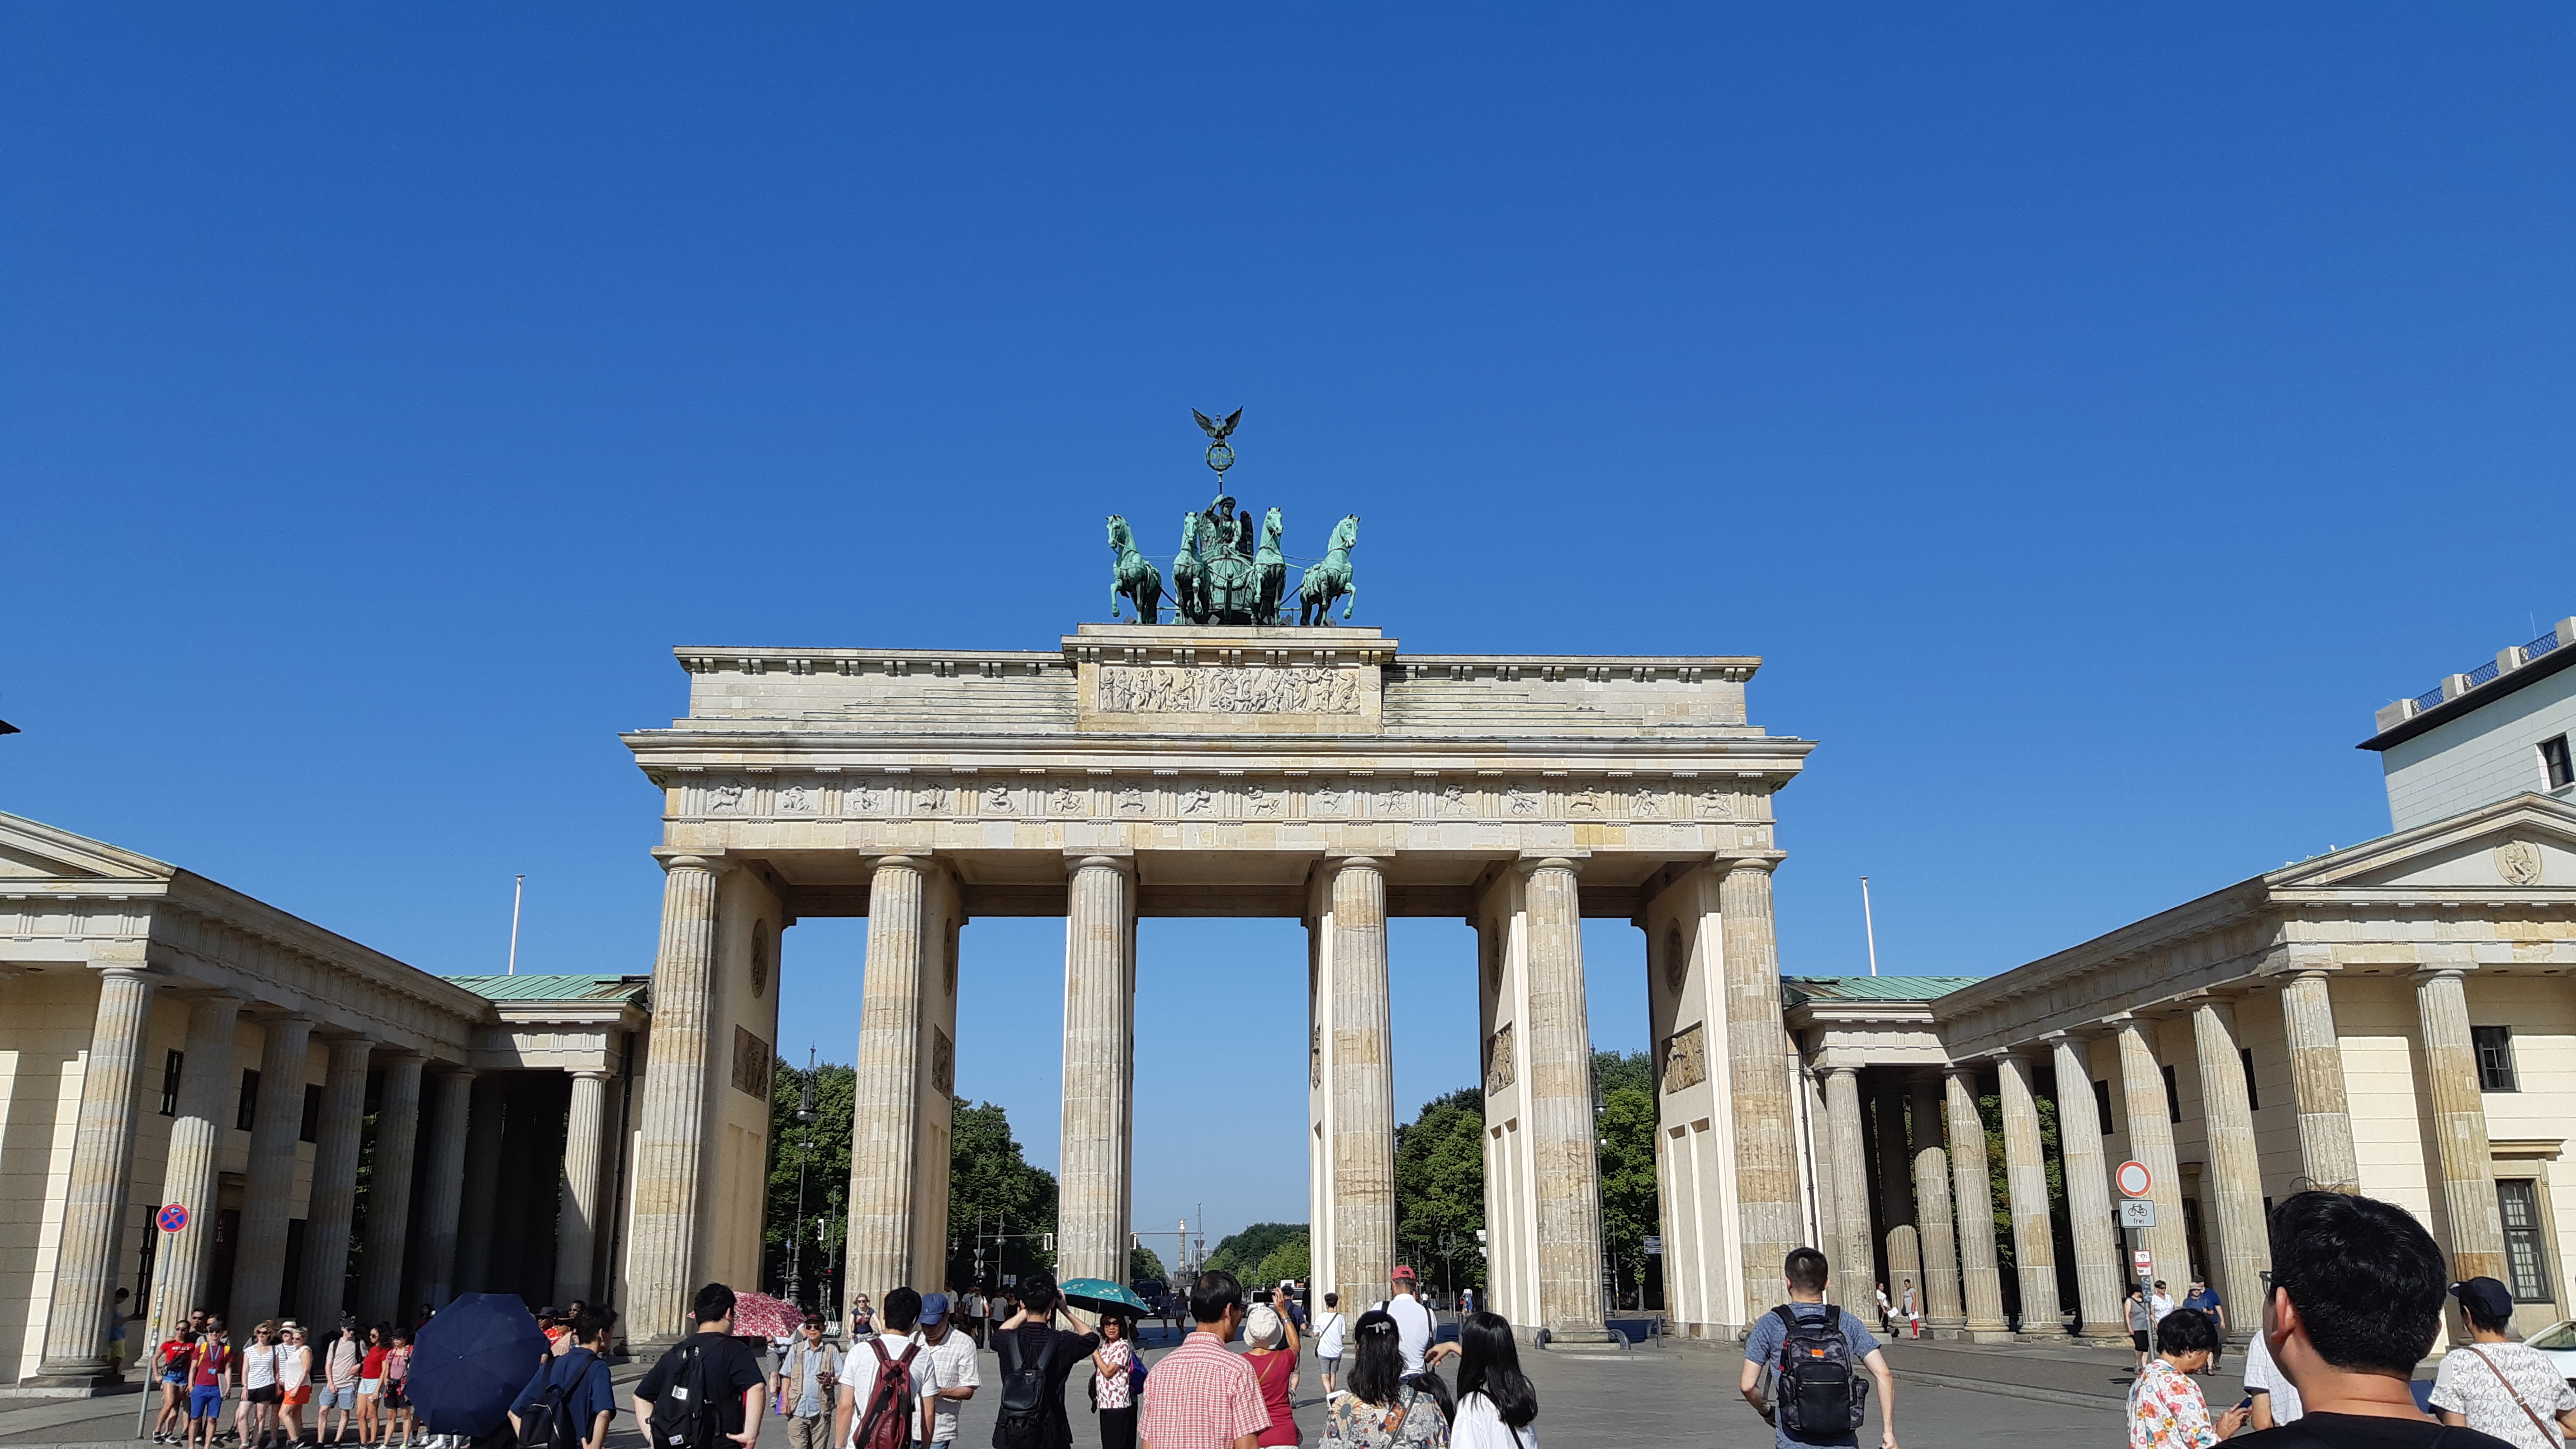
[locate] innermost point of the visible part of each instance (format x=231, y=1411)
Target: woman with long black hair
x=1383, y=1407
x=1496, y=1404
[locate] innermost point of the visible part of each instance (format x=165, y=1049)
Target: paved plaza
x=1678, y=1396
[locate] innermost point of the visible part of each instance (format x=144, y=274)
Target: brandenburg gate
x=1214, y=770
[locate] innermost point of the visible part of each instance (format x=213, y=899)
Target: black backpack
x=547, y=1423
x=1819, y=1393
x=1023, y=1422
x=687, y=1416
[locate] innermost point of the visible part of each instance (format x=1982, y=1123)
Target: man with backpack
x=569, y=1402
x=1815, y=1353
x=1037, y=1357
x=883, y=1380
x=706, y=1389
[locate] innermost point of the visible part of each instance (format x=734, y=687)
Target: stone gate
x=1321, y=774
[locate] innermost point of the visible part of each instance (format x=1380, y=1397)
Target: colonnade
x=98, y=1220
x=1932, y=1114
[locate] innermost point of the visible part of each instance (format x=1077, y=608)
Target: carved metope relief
x=2518, y=862
x=943, y=1061
x=1168, y=689
x=1498, y=1059
x=752, y=1060
x=1685, y=1059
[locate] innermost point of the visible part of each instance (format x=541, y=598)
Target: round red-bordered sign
x=2133, y=1178
x=171, y=1218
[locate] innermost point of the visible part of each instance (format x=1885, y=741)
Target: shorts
x=264, y=1394
x=300, y=1394
x=176, y=1378
x=206, y=1401
x=343, y=1397
x=2138, y=1336
x=367, y=1387
x=1332, y=1363
x=393, y=1396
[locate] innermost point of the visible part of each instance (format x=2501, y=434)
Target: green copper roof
x=1872, y=988
x=555, y=988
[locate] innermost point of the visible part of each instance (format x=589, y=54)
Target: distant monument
x=1226, y=573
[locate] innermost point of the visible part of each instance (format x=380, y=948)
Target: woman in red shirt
x=371, y=1382
x=1276, y=1368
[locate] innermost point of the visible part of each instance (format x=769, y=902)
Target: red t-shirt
x=374, y=1365
x=174, y=1354
x=211, y=1358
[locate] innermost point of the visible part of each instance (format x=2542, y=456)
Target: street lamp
x=804, y=1159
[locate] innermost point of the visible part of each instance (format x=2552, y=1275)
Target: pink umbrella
x=757, y=1315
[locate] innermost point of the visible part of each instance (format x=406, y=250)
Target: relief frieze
x=1173, y=689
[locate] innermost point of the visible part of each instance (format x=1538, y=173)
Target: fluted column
x=2026, y=1176
x=1362, y=1084
x=1848, y=1162
x=94, y=1201
x=1099, y=1069
x=2326, y=1155
x=1766, y=1141
x=259, y=1272
x=441, y=1208
x=207, y=1091
x=661, y=1256
x=1563, y=1152
x=1933, y=1226
x=2099, y=1275
x=1978, y=1270
x=2460, y=1126
x=323, y=1282
x=380, y=1269
x=485, y=1122
x=2142, y=1089
x=577, y=1225
x=885, y=1081
x=2232, y=1190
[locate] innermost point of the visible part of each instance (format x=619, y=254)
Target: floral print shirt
x=2167, y=1411
x=1412, y=1422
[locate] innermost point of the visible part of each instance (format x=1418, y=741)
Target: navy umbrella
x=470, y=1361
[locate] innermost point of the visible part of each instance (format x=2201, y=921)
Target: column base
x=1582, y=1338
x=79, y=1382
x=1983, y=1334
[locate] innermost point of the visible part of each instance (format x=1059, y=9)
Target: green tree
x=1289, y=1260
x=1241, y=1253
x=1144, y=1264
x=1630, y=1208
x=1440, y=1190
x=821, y=1150
x=993, y=1189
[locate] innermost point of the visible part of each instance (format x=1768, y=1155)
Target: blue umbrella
x=470, y=1361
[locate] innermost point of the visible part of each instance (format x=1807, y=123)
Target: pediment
x=2526, y=842
x=33, y=851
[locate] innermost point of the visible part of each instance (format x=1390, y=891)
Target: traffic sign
x=2137, y=1212
x=2133, y=1178
x=1654, y=1245
x=2146, y=1263
x=171, y=1218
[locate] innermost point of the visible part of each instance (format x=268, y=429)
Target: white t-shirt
x=2262, y=1373
x=259, y=1365
x=948, y=1364
x=1328, y=1334
x=2162, y=1304
x=1478, y=1426
x=859, y=1375
x=1414, y=1325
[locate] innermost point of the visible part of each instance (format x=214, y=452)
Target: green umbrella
x=1099, y=1295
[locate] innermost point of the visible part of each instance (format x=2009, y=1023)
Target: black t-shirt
x=1070, y=1350
x=731, y=1368
x=2364, y=1431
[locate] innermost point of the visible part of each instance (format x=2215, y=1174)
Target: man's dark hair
x=1036, y=1294
x=590, y=1323
x=2186, y=1330
x=2365, y=1277
x=1805, y=1270
x=902, y=1307
x=1212, y=1293
x=1332, y=1300
x=714, y=1301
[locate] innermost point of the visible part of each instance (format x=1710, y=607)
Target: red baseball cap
x=1401, y=1271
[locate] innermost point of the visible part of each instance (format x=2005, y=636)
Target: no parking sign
x=171, y=1218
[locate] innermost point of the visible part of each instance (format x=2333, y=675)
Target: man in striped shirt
x=1201, y=1396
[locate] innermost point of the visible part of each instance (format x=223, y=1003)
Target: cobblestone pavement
x=1678, y=1396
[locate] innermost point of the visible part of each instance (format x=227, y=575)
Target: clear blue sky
x=2091, y=415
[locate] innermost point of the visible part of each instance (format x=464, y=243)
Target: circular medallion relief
x=763, y=943
x=1676, y=959
x=2518, y=861
x=1494, y=960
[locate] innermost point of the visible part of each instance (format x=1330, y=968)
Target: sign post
x=172, y=1218
x=2135, y=1182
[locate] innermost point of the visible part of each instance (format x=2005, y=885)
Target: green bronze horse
x=1132, y=577
x=1270, y=567
x=1189, y=576
x=1331, y=579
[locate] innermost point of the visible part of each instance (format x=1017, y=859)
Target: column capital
x=1531, y=862
x=399, y=1058
x=1120, y=859
x=216, y=999
x=131, y=970
x=2458, y=970
x=1765, y=861
x=593, y=1074
x=1338, y=861
x=457, y=1069
x=2065, y=1036
x=712, y=862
